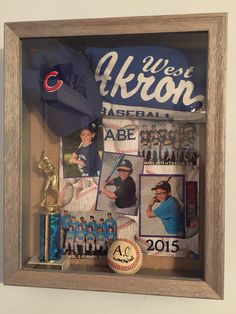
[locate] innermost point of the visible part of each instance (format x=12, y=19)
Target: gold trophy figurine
x=51, y=183
x=50, y=217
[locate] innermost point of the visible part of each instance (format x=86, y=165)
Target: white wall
x=33, y=300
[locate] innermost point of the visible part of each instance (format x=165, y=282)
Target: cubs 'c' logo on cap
x=51, y=88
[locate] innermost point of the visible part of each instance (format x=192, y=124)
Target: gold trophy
x=50, y=217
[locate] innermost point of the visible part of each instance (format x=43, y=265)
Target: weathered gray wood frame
x=212, y=284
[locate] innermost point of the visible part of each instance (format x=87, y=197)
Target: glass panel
x=114, y=147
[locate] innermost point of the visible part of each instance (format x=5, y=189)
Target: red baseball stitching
x=142, y=240
x=65, y=186
x=149, y=171
x=117, y=149
x=126, y=224
x=92, y=207
x=83, y=193
x=63, y=193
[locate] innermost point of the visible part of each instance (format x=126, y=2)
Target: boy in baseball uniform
x=125, y=192
x=169, y=209
x=173, y=136
x=102, y=224
x=110, y=222
x=101, y=240
x=111, y=236
x=65, y=222
x=74, y=223
x=90, y=240
x=86, y=156
x=162, y=136
x=82, y=222
x=69, y=244
x=155, y=140
x=92, y=223
x=79, y=243
x=145, y=140
x=144, y=133
x=188, y=142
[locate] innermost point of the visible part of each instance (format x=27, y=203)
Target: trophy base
x=61, y=264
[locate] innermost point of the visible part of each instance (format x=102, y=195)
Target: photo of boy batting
x=125, y=192
x=82, y=158
x=169, y=209
x=162, y=206
x=86, y=155
x=118, y=183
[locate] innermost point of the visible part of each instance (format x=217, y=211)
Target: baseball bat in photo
x=168, y=179
x=80, y=145
x=118, y=162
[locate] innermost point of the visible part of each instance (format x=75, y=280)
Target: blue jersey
x=92, y=224
x=67, y=224
x=80, y=234
x=110, y=222
x=90, y=236
x=169, y=212
x=65, y=220
x=103, y=226
x=83, y=224
x=70, y=235
x=90, y=157
x=74, y=225
x=101, y=236
x=111, y=236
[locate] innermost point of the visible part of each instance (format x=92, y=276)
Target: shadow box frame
x=211, y=284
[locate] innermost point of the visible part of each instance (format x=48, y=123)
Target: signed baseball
x=124, y=257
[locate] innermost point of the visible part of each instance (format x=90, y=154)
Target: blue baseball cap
x=163, y=185
x=91, y=127
x=126, y=165
x=58, y=80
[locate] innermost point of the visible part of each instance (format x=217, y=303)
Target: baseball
x=127, y=228
x=121, y=136
x=66, y=193
x=125, y=257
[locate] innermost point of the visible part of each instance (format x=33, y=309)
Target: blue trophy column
x=50, y=236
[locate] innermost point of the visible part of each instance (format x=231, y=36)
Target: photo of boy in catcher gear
x=119, y=183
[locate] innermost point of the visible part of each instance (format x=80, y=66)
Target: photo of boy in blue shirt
x=169, y=211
